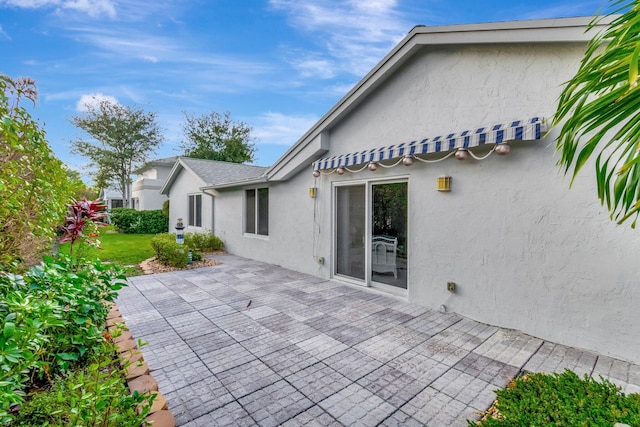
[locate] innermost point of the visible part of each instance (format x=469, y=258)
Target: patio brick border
x=137, y=370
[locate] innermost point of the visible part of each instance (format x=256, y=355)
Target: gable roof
x=213, y=173
x=315, y=142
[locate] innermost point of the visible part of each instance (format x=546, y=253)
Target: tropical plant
x=81, y=215
x=599, y=112
x=122, y=139
x=216, y=136
x=33, y=182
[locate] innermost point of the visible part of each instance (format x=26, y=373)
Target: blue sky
x=277, y=65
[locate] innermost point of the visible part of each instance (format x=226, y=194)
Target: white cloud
x=32, y=4
x=92, y=99
x=313, y=67
x=93, y=8
x=280, y=129
x=356, y=34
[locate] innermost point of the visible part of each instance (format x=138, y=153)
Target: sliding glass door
x=350, y=231
x=371, y=233
x=389, y=234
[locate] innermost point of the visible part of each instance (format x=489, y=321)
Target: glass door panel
x=389, y=234
x=350, y=231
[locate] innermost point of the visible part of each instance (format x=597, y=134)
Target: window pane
x=191, y=212
x=250, y=212
x=199, y=210
x=263, y=211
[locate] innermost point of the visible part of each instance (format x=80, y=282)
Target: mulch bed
x=152, y=266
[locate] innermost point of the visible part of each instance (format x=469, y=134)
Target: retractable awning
x=519, y=130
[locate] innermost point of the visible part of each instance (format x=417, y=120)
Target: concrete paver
x=247, y=343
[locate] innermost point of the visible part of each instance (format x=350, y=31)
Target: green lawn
x=124, y=250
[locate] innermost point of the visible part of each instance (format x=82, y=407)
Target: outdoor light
x=316, y=173
x=462, y=154
x=312, y=192
x=373, y=166
x=444, y=183
x=502, y=149
x=407, y=160
x=340, y=170
x=180, y=232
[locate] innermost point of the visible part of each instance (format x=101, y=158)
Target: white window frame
x=256, y=213
x=192, y=205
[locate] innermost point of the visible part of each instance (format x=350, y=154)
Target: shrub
x=93, y=395
x=203, y=242
x=33, y=182
x=168, y=252
x=131, y=221
x=52, y=317
x=165, y=208
x=562, y=400
x=124, y=219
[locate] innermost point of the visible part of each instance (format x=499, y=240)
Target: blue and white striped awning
x=519, y=130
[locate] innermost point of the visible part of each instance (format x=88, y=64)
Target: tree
x=78, y=187
x=600, y=108
x=216, y=137
x=33, y=184
x=123, y=138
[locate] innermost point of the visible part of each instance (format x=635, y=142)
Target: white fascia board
x=253, y=181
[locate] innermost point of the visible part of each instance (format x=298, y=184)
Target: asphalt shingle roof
x=213, y=172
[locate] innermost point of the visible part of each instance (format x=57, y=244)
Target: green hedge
x=131, y=221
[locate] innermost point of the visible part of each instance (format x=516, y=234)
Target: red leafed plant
x=80, y=214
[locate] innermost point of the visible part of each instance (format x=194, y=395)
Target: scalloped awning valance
x=519, y=130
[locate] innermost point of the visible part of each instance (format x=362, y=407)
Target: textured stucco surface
x=184, y=186
x=525, y=251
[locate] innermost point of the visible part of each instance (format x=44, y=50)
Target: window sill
x=256, y=236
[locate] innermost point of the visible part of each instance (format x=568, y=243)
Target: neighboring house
x=523, y=250
x=189, y=201
x=111, y=197
x=146, y=188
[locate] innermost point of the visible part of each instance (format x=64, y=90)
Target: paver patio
x=246, y=343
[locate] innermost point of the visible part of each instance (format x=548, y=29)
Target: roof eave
x=253, y=181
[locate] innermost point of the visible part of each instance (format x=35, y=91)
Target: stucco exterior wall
x=184, y=186
x=291, y=223
x=146, y=188
x=525, y=251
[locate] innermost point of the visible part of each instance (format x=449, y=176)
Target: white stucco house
x=356, y=199
x=188, y=187
x=145, y=190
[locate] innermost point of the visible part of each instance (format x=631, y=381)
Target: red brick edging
x=137, y=370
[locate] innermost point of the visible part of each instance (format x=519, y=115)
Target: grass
x=124, y=250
